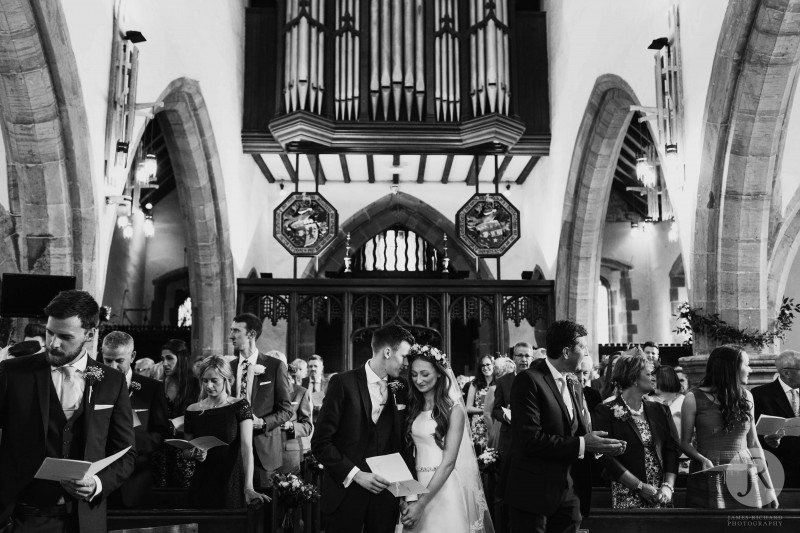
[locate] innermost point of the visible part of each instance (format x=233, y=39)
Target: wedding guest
x=502, y=367
x=683, y=379
x=301, y=370
x=585, y=377
x=264, y=381
x=150, y=411
x=780, y=398
x=720, y=411
x=223, y=476
x=181, y=389
x=476, y=397
x=316, y=382
x=644, y=475
x=650, y=350
x=144, y=367
x=607, y=389
x=50, y=406
x=299, y=425
x=668, y=392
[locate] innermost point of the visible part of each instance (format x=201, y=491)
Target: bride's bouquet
x=292, y=491
x=487, y=459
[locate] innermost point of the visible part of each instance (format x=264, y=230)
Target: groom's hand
x=372, y=482
x=597, y=443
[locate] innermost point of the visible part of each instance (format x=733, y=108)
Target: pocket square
x=102, y=406
x=264, y=383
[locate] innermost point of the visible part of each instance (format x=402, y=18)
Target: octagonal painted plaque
x=488, y=225
x=305, y=223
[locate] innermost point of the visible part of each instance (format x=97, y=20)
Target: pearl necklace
x=633, y=412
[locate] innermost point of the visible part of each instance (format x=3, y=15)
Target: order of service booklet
x=54, y=469
x=770, y=425
x=392, y=468
x=201, y=443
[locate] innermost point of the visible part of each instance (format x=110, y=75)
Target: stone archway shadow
x=382, y=214
x=591, y=173
x=188, y=134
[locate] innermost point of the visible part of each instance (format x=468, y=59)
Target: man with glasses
x=781, y=398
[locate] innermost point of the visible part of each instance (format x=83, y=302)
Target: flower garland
x=429, y=352
x=691, y=320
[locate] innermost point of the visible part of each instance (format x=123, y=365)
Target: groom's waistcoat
x=65, y=440
x=379, y=436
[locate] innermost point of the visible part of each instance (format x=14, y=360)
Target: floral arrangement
x=93, y=375
x=479, y=436
x=620, y=413
x=487, y=459
x=691, y=320
x=313, y=464
x=135, y=385
x=292, y=491
x=429, y=352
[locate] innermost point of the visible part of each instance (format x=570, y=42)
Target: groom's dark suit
x=545, y=444
x=34, y=427
x=344, y=436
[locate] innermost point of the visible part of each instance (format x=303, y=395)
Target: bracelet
x=671, y=488
x=639, y=487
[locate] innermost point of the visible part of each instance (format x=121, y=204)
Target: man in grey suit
x=264, y=381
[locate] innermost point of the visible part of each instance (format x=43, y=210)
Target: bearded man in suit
x=264, y=381
x=360, y=419
x=62, y=404
x=550, y=432
x=151, y=424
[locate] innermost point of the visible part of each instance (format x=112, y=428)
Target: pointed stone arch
x=186, y=126
x=51, y=189
x=409, y=211
x=784, y=253
x=591, y=174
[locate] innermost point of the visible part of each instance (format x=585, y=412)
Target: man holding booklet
x=61, y=404
x=777, y=408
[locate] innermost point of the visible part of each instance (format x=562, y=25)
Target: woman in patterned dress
x=720, y=411
x=476, y=397
x=644, y=475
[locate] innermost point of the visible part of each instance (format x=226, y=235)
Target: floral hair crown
x=429, y=352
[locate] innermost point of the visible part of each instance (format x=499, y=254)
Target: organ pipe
x=303, y=69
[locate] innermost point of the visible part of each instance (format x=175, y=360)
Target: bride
x=445, y=459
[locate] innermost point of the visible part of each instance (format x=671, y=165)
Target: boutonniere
x=258, y=370
x=620, y=413
x=572, y=380
x=396, y=386
x=135, y=385
x=93, y=375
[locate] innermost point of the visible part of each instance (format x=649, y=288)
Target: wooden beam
x=527, y=170
x=289, y=168
x=371, y=168
x=423, y=159
x=345, y=170
x=447, y=166
x=472, y=175
x=262, y=166
x=317, y=164
x=502, y=170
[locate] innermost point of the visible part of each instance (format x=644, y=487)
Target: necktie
x=562, y=384
x=795, y=403
x=245, y=368
x=382, y=385
x=70, y=394
x=377, y=409
x=313, y=386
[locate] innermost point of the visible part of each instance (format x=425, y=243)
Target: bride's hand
x=411, y=515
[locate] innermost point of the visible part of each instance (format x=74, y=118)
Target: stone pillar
x=762, y=363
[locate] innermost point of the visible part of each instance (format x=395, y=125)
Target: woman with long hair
x=476, y=398
x=644, y=475
x=445, y=461
x=223, y=476
x=720, y=411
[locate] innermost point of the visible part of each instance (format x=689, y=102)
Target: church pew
x=601, y=498
x=691, y=520
x=208, y=520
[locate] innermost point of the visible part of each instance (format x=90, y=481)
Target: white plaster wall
x=589, y=39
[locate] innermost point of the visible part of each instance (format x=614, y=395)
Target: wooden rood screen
x=335, y=318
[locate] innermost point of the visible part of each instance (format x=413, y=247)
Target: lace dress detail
x=477, y=423
x=171, y=468
x=624, y=498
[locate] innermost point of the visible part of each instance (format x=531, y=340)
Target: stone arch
x=591, y=174
x=411, y=212
x=747, y=109
x=783, y=253
x=186, y=126
x=47, y=138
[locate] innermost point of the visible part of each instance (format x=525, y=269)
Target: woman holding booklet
x=223, y=475
x=720, y=411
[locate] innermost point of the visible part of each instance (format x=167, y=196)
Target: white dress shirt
x=378, y=402
x=570, y=407
x=79, y=364
x=787, y=390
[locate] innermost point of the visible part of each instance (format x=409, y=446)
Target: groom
x=360, y=419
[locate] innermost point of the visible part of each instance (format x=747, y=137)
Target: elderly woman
x=644, y=475
x=223, y=476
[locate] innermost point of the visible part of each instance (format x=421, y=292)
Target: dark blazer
x=502, y=398
x=769, y=399
x=150, y=405
x=301, y=411
x=543, y=449
x=270, y=399
x=342, y=431
x=25, y=387
x=323, y=385
x=593, y=398
x=661, y=427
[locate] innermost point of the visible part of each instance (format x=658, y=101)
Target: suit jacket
x=543, y=447
x=502, y=398
x=25, y=388
x=301, y=411
x=662, y=428
x=323, y=385
x=341, y=434
x=150, y=405
x=769, y=399
x=270, y=399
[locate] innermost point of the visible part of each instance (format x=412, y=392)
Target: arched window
x=396, y=250
x=603, y=313
x=185, y=313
